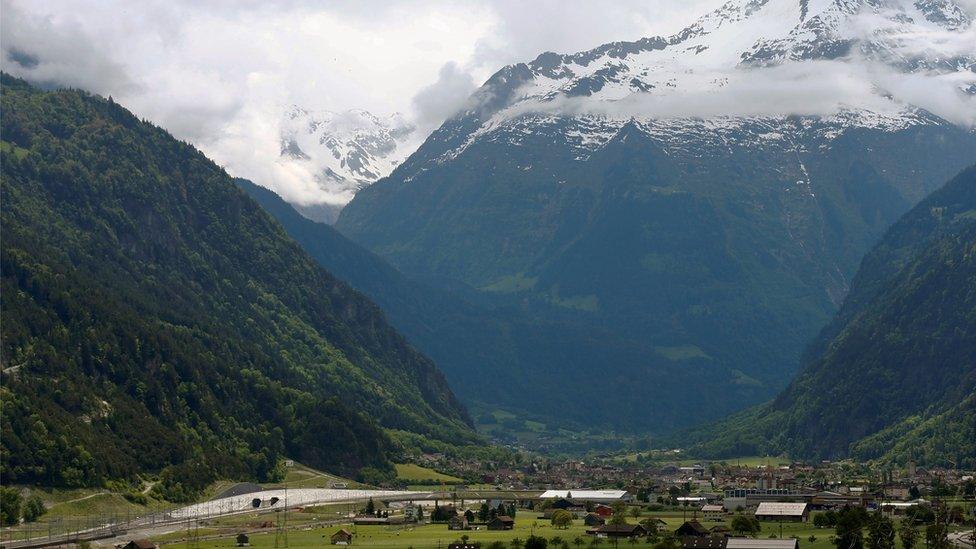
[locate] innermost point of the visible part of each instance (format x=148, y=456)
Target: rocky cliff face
x=344, y=152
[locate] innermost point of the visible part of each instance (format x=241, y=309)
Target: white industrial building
x=782, y=511
x=596, y=496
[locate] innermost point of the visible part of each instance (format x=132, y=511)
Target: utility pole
x=973, y=511
x=281, y=532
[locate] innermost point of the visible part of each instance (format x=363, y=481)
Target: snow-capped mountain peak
x=751, y=33
x=856, y=62
x=343, y=151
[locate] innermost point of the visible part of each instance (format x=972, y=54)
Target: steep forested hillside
x=155, y=318
x=712, y=262
x=501, y=355
x=894, y=375
x=616, y=191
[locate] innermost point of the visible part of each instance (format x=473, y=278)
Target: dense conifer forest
x=892, y=376
x=156, y=320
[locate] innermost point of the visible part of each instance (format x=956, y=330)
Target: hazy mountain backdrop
x=893, y=376
x=620, y=198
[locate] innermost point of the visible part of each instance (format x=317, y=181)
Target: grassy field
x=412, y=472
x=77, y=509
x=430, y=536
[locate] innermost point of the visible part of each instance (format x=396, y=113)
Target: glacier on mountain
x=343, y=152
x=882, y=64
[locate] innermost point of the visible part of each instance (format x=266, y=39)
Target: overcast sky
x=195, y=66
x=221, y=73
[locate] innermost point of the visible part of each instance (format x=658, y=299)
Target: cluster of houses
x=498, y=522
x=713, y=492
x=835, y=483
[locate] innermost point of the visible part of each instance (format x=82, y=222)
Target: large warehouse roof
x=583, y=495
x=776, y=508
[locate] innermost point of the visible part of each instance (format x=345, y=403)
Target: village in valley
x=637, y=499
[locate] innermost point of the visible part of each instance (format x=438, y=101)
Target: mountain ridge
x=342, y=152
x=732, y=236
x=893, y=376
x=153, y=310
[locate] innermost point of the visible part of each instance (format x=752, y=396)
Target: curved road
x=267, y=501
x=282, y=498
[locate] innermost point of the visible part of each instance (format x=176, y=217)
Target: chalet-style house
x=618, y=531
x=692, y=528
x=501, y=522
x=341, y=537
x=593, y=519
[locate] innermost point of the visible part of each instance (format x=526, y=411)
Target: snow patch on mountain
x=342, y=152
x=846, y=63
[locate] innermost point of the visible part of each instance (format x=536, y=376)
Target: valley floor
x=313, y=528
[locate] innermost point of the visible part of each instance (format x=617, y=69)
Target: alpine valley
x=682, y=252
x=754, y=237
x=157, y=320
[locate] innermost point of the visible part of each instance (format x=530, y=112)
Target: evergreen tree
x=937, y=536
x=10, y=502
x=881, y=532
x=33, y=509
x=849, y=533
x=908, y=533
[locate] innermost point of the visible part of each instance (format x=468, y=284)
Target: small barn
x=341, y=537
x=501, y=522
x=620, y=531
x=721, y=531
x=593, y=519
x=458, y=522
x=140, y=544
x=603, y=510
x=691, y=528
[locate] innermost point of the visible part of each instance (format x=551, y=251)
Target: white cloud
x=57, y=53
x=439, y=101
x=809, y=88
x=524, y=30
x=221, y=73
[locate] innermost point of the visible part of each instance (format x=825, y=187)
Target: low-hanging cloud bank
x=899, y=60
x=221, y=75
x=808, y=88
